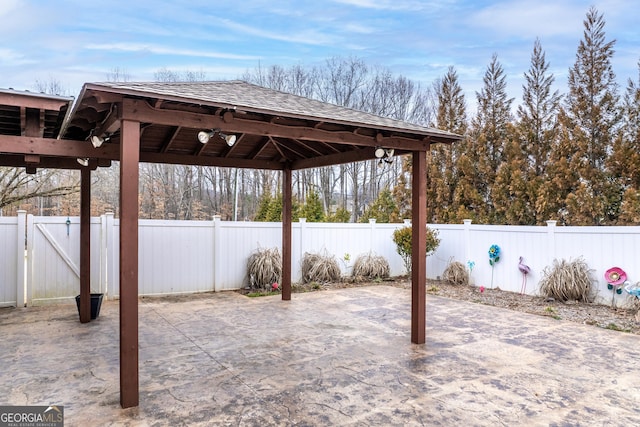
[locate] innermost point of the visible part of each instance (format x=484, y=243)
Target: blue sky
x=77, y=41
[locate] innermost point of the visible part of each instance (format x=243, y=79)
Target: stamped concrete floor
x=333, y=358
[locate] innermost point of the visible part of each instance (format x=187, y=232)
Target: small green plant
x=315, y=285
x=552, y=312
x=261, y=294
x=402, y=239
x=433, y=289
x=614, y=327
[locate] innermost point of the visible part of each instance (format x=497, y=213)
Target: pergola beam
x=140, y=110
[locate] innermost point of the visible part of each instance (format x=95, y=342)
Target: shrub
x=371, y=267
x=264, y=268
x=319, y=268
x=456, y=274
x=402, y=239
x=568, y=281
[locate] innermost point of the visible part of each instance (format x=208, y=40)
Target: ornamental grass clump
x=456, y=274
x=264, y=268
x=369, y=266
x=320, y=268
x=568, y=281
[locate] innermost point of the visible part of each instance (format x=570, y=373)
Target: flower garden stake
x=615, y=277
x=494, y=257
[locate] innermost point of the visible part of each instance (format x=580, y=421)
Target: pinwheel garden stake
x=494, y=256
x=615, y=276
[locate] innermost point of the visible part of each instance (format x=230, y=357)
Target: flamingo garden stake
x=525, y=270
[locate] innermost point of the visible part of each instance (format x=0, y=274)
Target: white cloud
x=307, y=36
x=161, y=50
x=388, y=4
x=530, y=18
x=12, y=58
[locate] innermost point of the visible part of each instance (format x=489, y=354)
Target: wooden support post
x=85, y=245
x=286, y=234
x=129, y=166
x=419, y=248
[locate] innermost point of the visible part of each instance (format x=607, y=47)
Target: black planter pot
x=96, y=302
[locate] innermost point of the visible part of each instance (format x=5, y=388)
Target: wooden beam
x=287, y=194
x=140, y=110
x=335, y=159
x=31, y=158
x=129, y=177
x=18, y=161
x=56, y=147
x=37, y=101
x=188, y=159
x=418, y=247
x=111, y=123
x=167, y=142
x=85, y=245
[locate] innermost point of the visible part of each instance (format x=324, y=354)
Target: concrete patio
x=339, y=358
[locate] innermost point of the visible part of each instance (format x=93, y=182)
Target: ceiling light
x=205, y=135
x=97, y=141
x=229, y=139
x=379, y=152
x=84, y=161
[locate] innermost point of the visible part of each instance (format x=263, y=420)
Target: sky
x=78, y=41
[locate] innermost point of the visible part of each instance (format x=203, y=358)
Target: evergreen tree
x=488, y=137
x=590, y=124
x=624, y=162
x=383, y=209
x=312, y=209
x=521, y=179
x=511, y=196
x=442, y=179
x=402, y=190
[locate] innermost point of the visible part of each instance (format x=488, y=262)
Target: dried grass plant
x=264, y=268
x=456, y=274
x=568, y=281
x=319, y=268
x=370, y=266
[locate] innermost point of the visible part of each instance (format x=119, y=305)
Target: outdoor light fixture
x=229, y=139
x=205, y=135
x=84, y=161
x=97, y=141
x=384, y=154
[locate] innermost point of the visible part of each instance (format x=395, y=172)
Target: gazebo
x=228, y=124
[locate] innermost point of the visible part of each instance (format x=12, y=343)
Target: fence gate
x=53, y=259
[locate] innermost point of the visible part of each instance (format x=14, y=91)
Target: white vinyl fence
x=39, y=256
